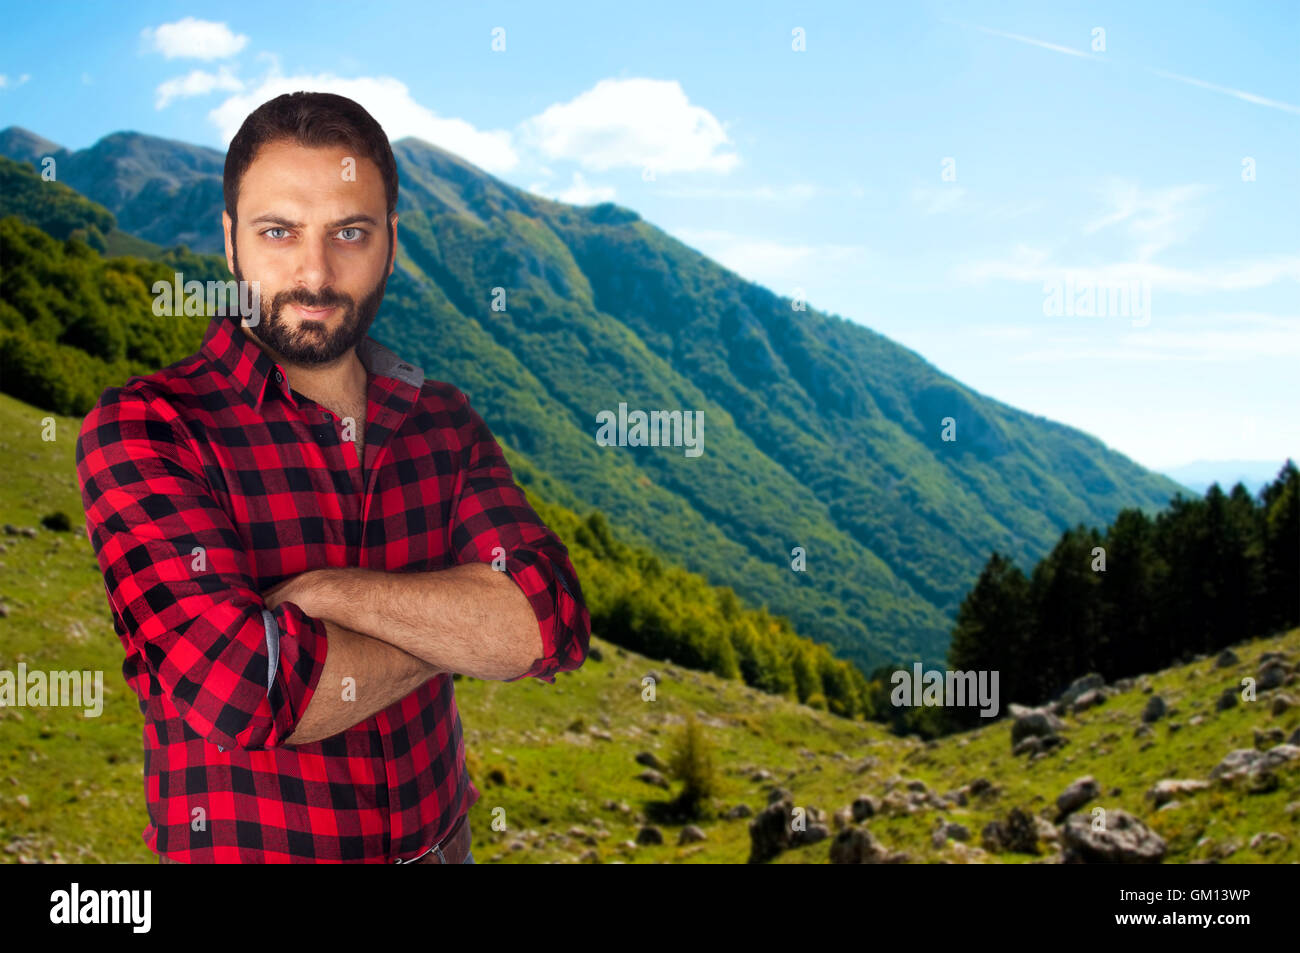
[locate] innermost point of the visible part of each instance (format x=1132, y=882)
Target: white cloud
x=579, y=192
x=4, y=80
x=196, y=83
x=632, y=123
x=389, y=101
x=193, y=39
x=1154, y=219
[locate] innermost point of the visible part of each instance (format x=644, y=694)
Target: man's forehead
x=311, y=174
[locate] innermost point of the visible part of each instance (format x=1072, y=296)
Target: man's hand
x=299, y=589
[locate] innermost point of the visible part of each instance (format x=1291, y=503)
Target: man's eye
x=343, y=233
x=276, y=229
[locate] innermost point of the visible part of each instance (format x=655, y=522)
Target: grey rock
x=1125, y=840
x=690, y=834
x=1079, y=793
x=1030, y=745
x=1017, y=833
x=1032, y=723
x=650, y=776
x=1155, y=709
x=983, y=787
x=650, y=760
x=1226, y=659
x=1164, y=791
x=1249, y=761
x=857, y=845
x=946, y=831
x=809, y=835
x=1080, y=687
x=865, y=806
x=1089, y=699
x=769, y=832
x=1271, y=675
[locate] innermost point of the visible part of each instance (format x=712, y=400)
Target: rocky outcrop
x=1123, y=839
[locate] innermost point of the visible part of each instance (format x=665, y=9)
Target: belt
x=452, y=849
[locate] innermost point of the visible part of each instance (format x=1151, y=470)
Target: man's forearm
x=361, y=676
x=469, y=618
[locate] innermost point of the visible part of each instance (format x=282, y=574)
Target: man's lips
x=313, y=312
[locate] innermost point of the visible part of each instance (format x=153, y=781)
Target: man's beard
x=307, y=346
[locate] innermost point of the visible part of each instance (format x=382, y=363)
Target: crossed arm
x=391, y=632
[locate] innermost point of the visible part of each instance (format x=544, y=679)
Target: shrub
x=692, y=763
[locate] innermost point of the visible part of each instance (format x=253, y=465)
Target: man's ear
x=392, y=257
x=227, y=225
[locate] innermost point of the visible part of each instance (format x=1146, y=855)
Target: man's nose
x=314, y=268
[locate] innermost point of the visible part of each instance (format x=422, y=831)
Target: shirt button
x=328, y=416
x=279, y=378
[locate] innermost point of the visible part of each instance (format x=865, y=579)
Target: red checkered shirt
x=212, y=480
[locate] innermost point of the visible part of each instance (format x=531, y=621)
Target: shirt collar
x=250, y=369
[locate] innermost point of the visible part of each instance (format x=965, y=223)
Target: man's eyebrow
x=272, y=219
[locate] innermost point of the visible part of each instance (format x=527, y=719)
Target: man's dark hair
x=311, y=120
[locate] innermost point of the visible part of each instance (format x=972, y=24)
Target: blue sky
x=935, y=171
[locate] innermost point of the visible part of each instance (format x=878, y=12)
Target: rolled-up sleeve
x=492, y=521
x=179, y=583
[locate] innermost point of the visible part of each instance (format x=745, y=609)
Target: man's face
x=317, y=242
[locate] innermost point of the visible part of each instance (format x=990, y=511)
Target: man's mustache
x=325, y=299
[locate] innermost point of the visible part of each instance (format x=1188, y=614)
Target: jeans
x=469, y=857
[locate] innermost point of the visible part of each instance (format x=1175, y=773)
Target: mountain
x=163, y=191
x=26, y=146
x=1199, y=475
x=819, y=433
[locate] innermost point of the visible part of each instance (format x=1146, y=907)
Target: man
x=302, y=537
